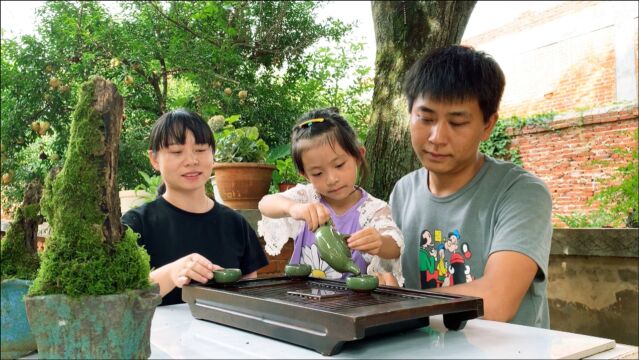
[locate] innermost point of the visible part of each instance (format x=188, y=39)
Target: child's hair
x=456, y=73
x=171, y=129
x=332, y=128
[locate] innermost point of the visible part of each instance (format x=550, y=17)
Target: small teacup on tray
x=362, y=283
x=297, y=270
x=226, y=276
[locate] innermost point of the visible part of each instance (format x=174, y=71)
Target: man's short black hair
x=456, y=73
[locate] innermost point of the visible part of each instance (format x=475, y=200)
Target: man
x=502, y=211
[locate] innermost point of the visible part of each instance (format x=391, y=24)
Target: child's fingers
x=387, y=279
x=313, y=221
x=324, y=214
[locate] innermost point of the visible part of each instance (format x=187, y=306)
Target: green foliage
x=239, y=144
x=540, y=120
x=78, y=260
x=149, y=186
x=618, y=201
x=163, y=55
x=498, y=145
x=287, y=172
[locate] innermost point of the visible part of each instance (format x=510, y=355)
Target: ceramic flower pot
x=17, y=338
x=333, y=249
x=114, y=326
x=242, y=185
x=225, y=276
x=297, y=270
x=362, y=283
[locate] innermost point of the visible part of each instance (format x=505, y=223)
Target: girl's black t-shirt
x=221, y=235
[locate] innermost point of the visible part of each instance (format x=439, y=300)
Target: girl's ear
x=362, y=150
x=153, y=160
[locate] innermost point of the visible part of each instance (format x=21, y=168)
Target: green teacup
x=362, y=283
x=225, y=276
x=297, y=270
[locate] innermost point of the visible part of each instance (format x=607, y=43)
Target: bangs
x=171, y=130
x=299, y=147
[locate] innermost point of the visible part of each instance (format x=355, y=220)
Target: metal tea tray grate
x=323, y=314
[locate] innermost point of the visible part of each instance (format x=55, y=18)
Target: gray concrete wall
x=593, y=283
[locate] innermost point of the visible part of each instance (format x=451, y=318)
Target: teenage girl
x=186, y=233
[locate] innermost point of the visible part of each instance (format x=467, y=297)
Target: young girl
x=187, y=234
x=326, y=152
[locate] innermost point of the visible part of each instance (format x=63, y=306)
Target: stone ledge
x=582, y=242
x=595, y=242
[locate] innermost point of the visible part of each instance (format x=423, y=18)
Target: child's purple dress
x=367, y=212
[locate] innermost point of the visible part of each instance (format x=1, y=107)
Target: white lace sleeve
x=277, y=232
x=377, y=214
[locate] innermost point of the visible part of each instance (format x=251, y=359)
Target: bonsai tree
x=19, y=263
x=90, y=255
x=19, y=257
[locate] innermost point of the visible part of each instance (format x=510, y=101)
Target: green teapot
x=333, y=249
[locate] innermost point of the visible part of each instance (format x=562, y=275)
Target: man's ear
x=153, y=160
x=489, y=126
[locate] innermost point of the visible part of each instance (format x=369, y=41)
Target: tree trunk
x=109, y=104
x=30, y=219
x=404, y=31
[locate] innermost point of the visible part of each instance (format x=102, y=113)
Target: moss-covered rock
x=83, y=257
x=18, y=253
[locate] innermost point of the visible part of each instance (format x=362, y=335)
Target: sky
x=18, y=17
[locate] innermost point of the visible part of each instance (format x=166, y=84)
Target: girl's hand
x=314, y=214
x=367, y=240
x=192, y=267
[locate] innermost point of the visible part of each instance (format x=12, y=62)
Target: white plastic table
x=176, y=334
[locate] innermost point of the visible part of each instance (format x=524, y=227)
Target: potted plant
x=19, y=263
x=143, y=192
x=287, y=174
x=241, y=174
x=92, y=297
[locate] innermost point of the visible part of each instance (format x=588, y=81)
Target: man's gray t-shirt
x=448, y=239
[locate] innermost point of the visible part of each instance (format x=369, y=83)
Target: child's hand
x=314, y=214
x=193, y=266
x=367, y=240
x=387, y=279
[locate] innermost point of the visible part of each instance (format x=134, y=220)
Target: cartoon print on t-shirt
x=459, y=272
x=427, y=259
x=436, y=270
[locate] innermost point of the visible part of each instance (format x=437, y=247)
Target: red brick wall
x=276, y=263
x=565, y=156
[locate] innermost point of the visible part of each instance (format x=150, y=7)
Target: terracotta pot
x=285, y=186
x=242, y=185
